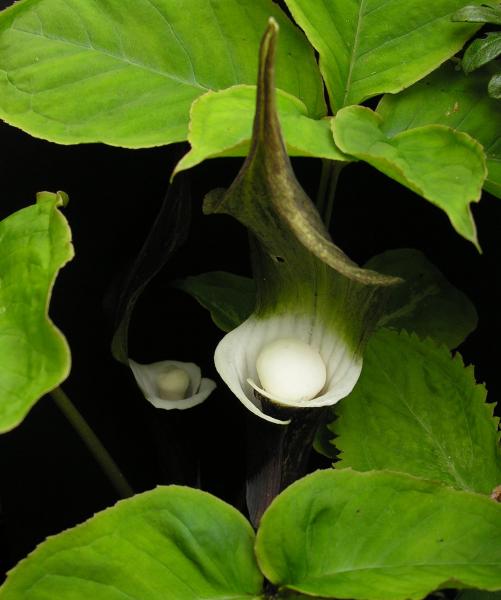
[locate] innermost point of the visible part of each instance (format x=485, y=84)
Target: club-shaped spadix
x=302, y=347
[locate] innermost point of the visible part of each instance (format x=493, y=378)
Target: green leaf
x=379, y=536
x=221, y=125
x=126, y=73
x=172, y=542
x=494, y=87
x=481, y=51
x=229, y=298
x=417, y=410
x=445, y=166
x=35, y=244
x=368, y=47
x=426, y=303
x=449, y=97
x=486, y=13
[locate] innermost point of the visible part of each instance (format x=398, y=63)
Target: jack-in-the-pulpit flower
x=302, y=347
x=170, y=384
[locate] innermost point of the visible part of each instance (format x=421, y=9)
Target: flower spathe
x=308, y=290
x=236, y=356
x=172, y=393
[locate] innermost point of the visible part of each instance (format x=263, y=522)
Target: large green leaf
x=368, y=47
x=425, y=303
x=445, y=166
x=449, y=97
x=35, y=243
x=417, y=410
x=173, y=542
x=126, y=73
x=494, y=87
x=229, y=298
x=221, y=125
x=379, y=536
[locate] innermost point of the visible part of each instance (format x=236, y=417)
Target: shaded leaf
x=172, y=542
x=379, y=536
x=229, y=298
x=485, y=13
x=221, y=125
x=445, y=166
x=168, y=233
x=426, y=303
x=35, y=243
x=368, y=47
x=478, y=595
x=417, y=410
x=127, y=73
x=449, y=97
x=481, y=51
x=494, y=87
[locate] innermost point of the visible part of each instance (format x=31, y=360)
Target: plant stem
x=336, y=167
x=93, y=443
x=322, y=186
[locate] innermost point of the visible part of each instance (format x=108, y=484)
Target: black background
x=48, y=481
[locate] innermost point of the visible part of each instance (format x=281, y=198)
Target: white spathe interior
x=236, y=355
x=147, y=378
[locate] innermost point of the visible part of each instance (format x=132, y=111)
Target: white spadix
x=170, y=384
x=289, y=370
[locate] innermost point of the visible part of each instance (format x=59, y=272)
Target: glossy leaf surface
x=449, y=97
x=221, y=125
x=425, y=303
x=379, y=536
x=173, y=542
x=494, y=88
x=368, y=47
x=482, y=51
x=419, y=411
x=445, y=166
x=229, y=298
x=486, y=13
x=35, y=243
x=127, y=73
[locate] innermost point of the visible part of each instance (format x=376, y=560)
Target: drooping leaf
x=229, y=298
x=368, y=47
x=494, y=87
x=168, y=233
x=481, y=51
x=127, y=73
x=445, y=166
x=419, y=411
x=449, y=97
x=426, y=303
x=485, y=13
x=172, y=542
x=35, y=243
x=379, y=536
x=221, y=125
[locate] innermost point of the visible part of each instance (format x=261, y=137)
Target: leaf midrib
x=356, y=42
x=122, y=59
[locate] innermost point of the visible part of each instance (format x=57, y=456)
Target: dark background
x=48, y=481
